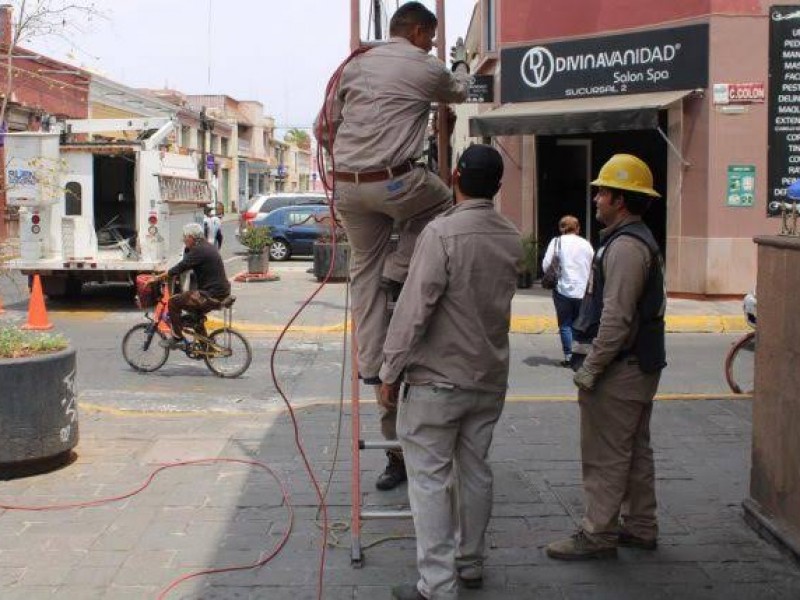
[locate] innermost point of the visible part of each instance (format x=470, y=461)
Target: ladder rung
x=386, y=514
x=378, y=445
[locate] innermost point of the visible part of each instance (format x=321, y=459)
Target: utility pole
x=444, y=135
x=376, y=8
x=203, y=151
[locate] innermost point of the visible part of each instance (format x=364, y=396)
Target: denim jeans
x=567, y=310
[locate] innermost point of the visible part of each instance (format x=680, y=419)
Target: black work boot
x=393, y=475
x=407, y=592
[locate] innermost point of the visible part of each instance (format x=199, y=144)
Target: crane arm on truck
x=162, y=125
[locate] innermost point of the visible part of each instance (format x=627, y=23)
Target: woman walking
x=575, y=258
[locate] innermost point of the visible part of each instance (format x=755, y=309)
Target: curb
x=531, y=325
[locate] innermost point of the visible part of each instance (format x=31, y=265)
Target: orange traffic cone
x=37, y=313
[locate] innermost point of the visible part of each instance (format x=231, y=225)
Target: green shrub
x=256, y=239
x=16, y=343
x=530, y=253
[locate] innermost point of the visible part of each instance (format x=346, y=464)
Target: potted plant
x=38, y=414
x=257, y=240
x=324, y=251
x=530, y=261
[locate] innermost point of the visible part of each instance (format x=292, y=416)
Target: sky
x=280, y=53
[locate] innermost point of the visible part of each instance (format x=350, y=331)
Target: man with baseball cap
x=448, y=342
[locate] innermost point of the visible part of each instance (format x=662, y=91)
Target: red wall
x=527, y=20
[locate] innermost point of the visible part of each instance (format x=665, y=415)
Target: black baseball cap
x=480, y=169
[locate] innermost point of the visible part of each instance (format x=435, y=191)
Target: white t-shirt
x=212, y=226
x=576, y=263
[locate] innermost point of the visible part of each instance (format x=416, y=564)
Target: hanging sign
x=783, y=156
x=741, y=185
x=657, y=60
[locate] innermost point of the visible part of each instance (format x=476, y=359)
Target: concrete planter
x=323, y=254
x=38, y=412
x=258, y=263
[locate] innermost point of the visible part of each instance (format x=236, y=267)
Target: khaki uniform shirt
x=626, y=264
x=381, y=108
x=451, y=322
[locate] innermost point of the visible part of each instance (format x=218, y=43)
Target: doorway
x=565, y=166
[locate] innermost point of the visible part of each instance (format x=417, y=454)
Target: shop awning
x=581, y=115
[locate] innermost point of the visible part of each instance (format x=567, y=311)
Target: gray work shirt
x=452, y=319
x=381, y=108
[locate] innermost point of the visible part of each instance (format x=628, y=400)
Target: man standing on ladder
x=377, y=116
x=448, y=340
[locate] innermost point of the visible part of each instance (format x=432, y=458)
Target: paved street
x=228, y=514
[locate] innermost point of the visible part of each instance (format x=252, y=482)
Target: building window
x=490, y=25
x=72, y=196
x=186, y=141
x=224, y=146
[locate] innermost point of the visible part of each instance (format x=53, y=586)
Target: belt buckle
x=389, y=172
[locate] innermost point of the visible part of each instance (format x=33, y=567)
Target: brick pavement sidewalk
x=227, y=514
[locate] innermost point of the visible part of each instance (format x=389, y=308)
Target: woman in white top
x=212, y=227
x=575, y=255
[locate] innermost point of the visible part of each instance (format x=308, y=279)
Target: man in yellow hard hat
x=618, y=354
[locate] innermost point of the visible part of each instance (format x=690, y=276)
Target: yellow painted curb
x=326, y=402
x=530, y=325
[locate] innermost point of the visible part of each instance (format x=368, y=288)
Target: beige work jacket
x=380, y=110
x=451, y=322
x=626, y=264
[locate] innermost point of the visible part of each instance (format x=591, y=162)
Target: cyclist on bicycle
x=212, y=282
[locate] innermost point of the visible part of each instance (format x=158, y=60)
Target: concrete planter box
x=38, y=412
x=323, y=254
x=258, y=263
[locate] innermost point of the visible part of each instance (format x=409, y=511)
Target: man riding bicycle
x=212, y=282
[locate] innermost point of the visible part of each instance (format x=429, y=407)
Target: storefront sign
x=783, y=157
x=741, y=185
x=739, y=93
x=481, y=88
x=649, y=61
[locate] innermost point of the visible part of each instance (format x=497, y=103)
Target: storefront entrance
x=566, y=165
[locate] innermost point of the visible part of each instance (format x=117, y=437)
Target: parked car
x=293, y=229
x=266, y=203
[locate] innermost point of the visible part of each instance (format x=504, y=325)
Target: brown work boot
x=629, y=540
x=393, y=475
x=581, y=546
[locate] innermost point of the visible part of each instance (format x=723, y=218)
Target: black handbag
x=553, y=272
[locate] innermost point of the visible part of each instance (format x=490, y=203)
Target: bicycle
x=225, y=351
x=740, y=361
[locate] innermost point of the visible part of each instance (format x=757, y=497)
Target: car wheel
x=279, y=250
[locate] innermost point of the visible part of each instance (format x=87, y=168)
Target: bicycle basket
x=146, y=291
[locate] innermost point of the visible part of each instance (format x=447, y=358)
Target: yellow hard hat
x=627, y=172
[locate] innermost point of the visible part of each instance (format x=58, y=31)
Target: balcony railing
x=244, y=146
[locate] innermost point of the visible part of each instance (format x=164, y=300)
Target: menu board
x=783, y=158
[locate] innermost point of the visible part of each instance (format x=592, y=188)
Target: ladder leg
x=356, y=554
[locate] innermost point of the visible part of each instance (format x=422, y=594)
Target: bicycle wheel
x=230, y=354
x=740, y=365
x=142, y=349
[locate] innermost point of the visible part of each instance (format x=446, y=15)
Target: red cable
x=199, y=462
x=326, y=124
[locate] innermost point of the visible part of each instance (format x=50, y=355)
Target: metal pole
x=355, y=25
x=376, y=7
x=443, y=137
x=356, y=554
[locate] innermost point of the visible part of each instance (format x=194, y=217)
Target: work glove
x=584, y=379
x=458, y=55
x=388, y=394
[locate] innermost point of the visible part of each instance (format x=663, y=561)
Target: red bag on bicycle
x=146, y=290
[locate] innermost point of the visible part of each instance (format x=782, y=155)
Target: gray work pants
x=445, y=435
x=618, y=467
x=369, y=211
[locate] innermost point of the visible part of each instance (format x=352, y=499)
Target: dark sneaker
x=173, y=343
x=471, y=577
x=393, y=475
x=580, y=546
x=631, y=541
x=407, y=592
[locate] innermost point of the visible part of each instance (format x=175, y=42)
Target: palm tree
x=299, y=137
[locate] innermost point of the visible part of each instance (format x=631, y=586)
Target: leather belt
x=373, y=176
